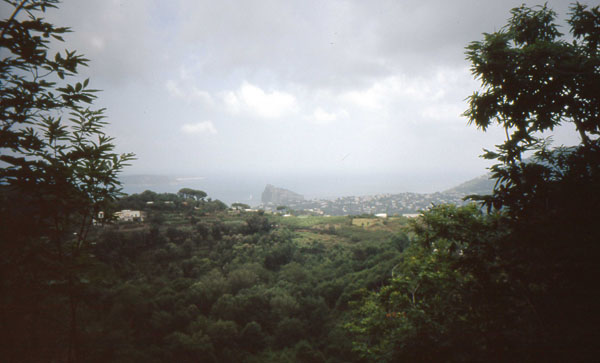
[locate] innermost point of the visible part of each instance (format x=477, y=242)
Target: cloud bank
x=293, y=86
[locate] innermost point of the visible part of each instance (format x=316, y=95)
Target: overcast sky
x=198, y=87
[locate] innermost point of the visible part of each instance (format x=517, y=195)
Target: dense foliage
x=518, y=283
x=58, y=170
x=231, y=286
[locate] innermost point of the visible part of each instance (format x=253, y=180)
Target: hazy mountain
x=279, y=196
x=480, y=185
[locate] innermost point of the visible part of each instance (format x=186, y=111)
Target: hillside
x=193, y=283
x=479, y=185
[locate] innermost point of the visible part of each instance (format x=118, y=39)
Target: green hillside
x=227, y=285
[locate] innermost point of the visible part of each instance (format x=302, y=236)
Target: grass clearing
x=310, y=221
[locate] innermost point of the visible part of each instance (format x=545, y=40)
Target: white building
x=127, y=215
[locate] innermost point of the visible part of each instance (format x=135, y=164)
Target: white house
x=127, y=215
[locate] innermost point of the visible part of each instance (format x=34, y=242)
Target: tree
x=518, y=283
x=241, y=206
x=252, y=338
x=431, y=310
x=59, y=169
x=257, y=224
x=534, y=81
x=187, y=193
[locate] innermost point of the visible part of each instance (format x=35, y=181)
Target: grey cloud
x=338, y=44
x=318, y=44
x=116, y=35
x=392, y=72
x=417, y=36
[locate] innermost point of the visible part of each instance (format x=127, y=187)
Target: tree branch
x=12, y=17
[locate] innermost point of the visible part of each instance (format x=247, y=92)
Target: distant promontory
x=279, y=196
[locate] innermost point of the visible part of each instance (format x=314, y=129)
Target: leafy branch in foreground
x=534, y=81
x=59, y=169
x=518, y=283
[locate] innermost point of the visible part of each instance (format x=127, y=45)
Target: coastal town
x=284, y=201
